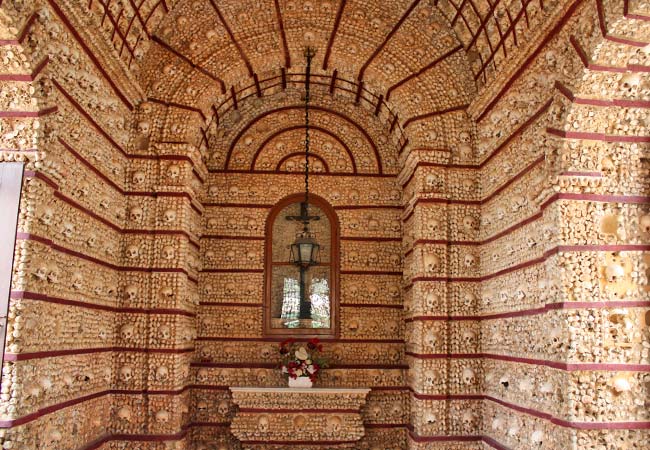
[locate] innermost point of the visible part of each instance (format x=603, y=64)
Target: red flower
x=314, y=343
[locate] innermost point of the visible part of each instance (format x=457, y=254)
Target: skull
x=372, y=291
x=46, y=216
x=132, y=251
x=251, y=256
x=263, y=424
x=164, y=332
x=202, y=375
x=353, y=325
x=335, y=196
x=469, y=337
x=68, y=229
x=468, y=376
x=230, y=288
x=202, y=405
x=373, y=194
x=334, y=424
x=373, y=225
x=168, y=252
x=124, y=413
x=373, y=258
x=431, y=181
x=465, y=151
x=432, y=225
x=127, y=331
x=469, y=223
x=173, y=171
x=223, y=407
x=470, y=260
x=77, y=280
x=144, y=127
x=290, y=166
x=431, y=262
x=162, y=373
x=53, y=275
x=252, y=225
x=126, y=373
x=354, y=196
x=431, y=338
x=395, y=260
x=230, y=255
x=136, y=213
x=131, y=291
x=630, y=83
x=614, y=273
x=162, y=416
x=432, y=301
x=537, y=438
x=467, y=418
x=353, y=257
x=644, y=223
x=318, y=166
x=138, y=177
x=464, y=137
x=170, y=215
x=429, y=418
x=393, y=291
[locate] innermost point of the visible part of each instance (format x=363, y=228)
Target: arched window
x=298, y=300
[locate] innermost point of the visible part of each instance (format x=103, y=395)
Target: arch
x=297, y=127
x=314, y=108
x=324, y=205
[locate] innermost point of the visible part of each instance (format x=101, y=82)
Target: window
x=283, y=295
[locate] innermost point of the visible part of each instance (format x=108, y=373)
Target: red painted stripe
x=274, y=366
x=568, y=367
x=85, y=351
x=277, y=340
x=28, y=114
x=592, y=136
x=330, y=42
x=283, y=36
x=232, y=38
x=298, y=410
x=434, y=114
x=57, y=10
x=53, y=245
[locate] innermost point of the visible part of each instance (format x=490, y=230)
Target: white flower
x=302, y=354
x=298, y=372
x=311, y=369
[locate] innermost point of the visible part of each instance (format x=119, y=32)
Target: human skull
x=354, y=196
x=614, y=273
x=223, y=407
x=126, y=331
x=353, y=257
x=53, y=275
x=464, y=137
x=469, y=223
x=537, y=438
x=162, y=373
x=132, y=251
x=263, y=424
x=431, y=262
x=144, y=127
x=470, y=260
x=467, y=418
x=164, y=332
x=126, y=373
x=168, y=252
x=202, y=375
x=290, y=166
x=138, y=177
x=644, y=223
x=630, y=83
x=136, y=213
x=469, y=337
x=334, y=424
x=173, y=171
x=77, y=280
x=162, y=416
x=395, y=260
x=373, y=258
x=169, y=215
x=373, y=195
x=468, y=376
x=230, y=288
x=124, y=413
x=46, y=216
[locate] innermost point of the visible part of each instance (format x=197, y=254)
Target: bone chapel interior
x=481, y=171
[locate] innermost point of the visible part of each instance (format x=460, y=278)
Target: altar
x=281, y=417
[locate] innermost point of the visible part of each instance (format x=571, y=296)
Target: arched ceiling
x=412, y=64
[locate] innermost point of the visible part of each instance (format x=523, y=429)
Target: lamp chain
x=309, y=54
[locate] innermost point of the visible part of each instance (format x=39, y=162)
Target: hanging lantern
x=305, y=251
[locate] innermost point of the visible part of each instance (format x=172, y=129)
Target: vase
x=300, y=382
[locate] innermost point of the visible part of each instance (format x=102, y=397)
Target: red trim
x=23, y=77
x=57, y=247
x=28, y=114
x=623, y=103
x=315, y=108
x=85, y=351
x=283, y=36
x=274, y=366
x=57, y=10
x=434, y=114
x=593, y=136
x=28, y=295
x=280, y=339
x=523, y=67
x=603, y=29
x=311, y=155
x=232, y=38
x=298, y=410
x=387, y=38
x=330, y=42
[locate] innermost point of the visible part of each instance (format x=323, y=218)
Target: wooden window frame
x=333, y=331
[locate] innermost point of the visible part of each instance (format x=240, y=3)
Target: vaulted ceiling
x=401, y=70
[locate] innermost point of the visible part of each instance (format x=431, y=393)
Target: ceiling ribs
x=429, y=66
x=298, y=127
x=184, y=58
x=484, y=22
x=283, y=36
x=232, y=38
x=330, y=43
x=387, y=38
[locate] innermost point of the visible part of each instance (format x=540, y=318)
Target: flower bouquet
x=301, y=362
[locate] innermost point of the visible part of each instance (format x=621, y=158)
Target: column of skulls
x=162, y=255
